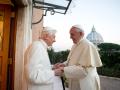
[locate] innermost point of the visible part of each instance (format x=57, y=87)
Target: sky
x=103, y=14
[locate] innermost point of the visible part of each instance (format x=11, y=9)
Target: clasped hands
x=58, y=69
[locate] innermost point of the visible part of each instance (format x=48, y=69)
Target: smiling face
x=75, y=35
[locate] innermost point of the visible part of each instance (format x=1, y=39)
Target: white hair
x=50, y=30
x=78, y=28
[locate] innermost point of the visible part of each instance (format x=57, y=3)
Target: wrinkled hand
x=58, y=72
x=61, y=68
x=58, y=65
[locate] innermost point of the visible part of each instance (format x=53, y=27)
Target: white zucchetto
x=49, y=30
x=79, y=27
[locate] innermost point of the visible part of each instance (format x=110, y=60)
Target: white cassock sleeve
x=38, y=69
x=39, y=75
x=75, y=72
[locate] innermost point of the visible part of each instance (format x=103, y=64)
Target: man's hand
x=58, y=65
x=58, y=72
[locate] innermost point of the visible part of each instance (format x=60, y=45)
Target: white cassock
x=38, y=71
x=81, y=67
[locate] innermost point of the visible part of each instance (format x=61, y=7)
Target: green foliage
x=56, y=57
x=109, y=46
x=112, y=72
x=110, y=56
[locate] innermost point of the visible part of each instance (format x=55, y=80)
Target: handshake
x=58, y=69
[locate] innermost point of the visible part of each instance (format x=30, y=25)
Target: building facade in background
x=95, y=37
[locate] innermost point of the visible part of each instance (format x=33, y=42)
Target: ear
x=82, y=33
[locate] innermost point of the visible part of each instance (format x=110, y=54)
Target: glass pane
x=1, y=27
x=58, y=2
x=59, y=6
x=55, y=2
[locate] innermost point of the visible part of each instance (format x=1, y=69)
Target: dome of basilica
x=95, y=37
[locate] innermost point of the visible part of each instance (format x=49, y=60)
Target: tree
x=56, y=57
x=110, y=56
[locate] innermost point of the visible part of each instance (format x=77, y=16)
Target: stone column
x=23, y=39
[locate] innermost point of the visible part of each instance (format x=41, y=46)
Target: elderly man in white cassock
x=39, y=74
x=80, y=67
